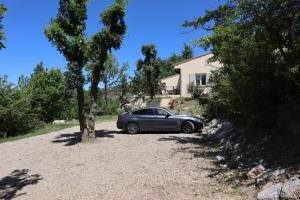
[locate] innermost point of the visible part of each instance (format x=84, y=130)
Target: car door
x=164, y=121
x=145, y=119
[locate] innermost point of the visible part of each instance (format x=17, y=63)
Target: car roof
x=152, y=107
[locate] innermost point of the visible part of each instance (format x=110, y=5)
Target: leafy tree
x=137, y=84
x=2, y=36
x=16, y=115
x=109, y=77
x=67, y=33
x=123, y=86
x=110, y=37
x=187, y=52
x=166, y=65
x=150, y=69
x=259, y=44
x=39, y=68
x=46, y=89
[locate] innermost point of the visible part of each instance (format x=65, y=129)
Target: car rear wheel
x=188, y=127
x=132, y=128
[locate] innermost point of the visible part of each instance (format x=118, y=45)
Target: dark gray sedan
x=157, y=119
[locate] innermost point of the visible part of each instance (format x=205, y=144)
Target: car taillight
x=119, y=118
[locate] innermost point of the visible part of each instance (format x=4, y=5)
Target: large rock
x=271, y=192
x=291, y=189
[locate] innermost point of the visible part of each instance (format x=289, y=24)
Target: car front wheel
x=188, y=127
x=132, y=128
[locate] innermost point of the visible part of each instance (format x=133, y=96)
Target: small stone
x=220, y=158
x=278, y=172
x=271, y=192
x=224, y=166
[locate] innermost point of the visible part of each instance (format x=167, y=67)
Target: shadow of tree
x=203, y=146
x=202, y=140
x=206, y=146
x=148, y=132
x=71, y=139
x=18, y=179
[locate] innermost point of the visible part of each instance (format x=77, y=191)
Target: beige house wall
x=172, y=81
x=198, y=65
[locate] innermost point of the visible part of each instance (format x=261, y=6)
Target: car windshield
x=170, y=111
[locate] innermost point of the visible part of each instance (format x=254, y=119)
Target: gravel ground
x=116, y=166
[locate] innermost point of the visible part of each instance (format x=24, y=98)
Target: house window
x=203, y=79
x=198, y=79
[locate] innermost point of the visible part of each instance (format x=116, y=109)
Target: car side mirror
x=168, y=115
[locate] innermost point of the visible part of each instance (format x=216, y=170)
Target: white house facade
x=195, y=70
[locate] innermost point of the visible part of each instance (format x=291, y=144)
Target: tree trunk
x=81, y=111
x=89, y=133
x=105, y=98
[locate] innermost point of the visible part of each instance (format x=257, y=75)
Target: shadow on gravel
x=202, y=146
x=71, y=139
x=194, y=139
x=148, y=133
x=16, y=181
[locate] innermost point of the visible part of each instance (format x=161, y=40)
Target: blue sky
x=148, y=21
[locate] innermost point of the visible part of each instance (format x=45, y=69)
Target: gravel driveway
x=116, y=166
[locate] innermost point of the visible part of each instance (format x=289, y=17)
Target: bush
x=47, y=90
x=258, y=85
x=16, y=115
x=195, y=90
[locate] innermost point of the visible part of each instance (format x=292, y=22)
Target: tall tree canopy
x=103, y=42
x=259, y=44
x=123, y=86
x=166, y=65
x=46, y=90
x=109, y=77
x=149, y=67
x=67, y=33
x=2, y=36
x=187, y=52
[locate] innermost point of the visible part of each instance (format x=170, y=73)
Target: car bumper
x=121, y=125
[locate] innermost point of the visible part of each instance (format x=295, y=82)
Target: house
x=195, y=70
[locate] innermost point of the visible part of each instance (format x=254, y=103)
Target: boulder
x=291, y=189
x=271, y=192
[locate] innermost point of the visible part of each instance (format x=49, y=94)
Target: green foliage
x=102, y=65
x=195, y=90
x=46, y=90
x=166, y=65
x=16, y=115
x=187, y=52
x=110, y=71
x=123, y=87
x=67, y=33
x=2, y=36
x=259, y=44
x=149, y=70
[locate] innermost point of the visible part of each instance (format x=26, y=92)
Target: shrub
x=195, y=90
x=16, y=115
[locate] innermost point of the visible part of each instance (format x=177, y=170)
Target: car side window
x=143, y=112
x=136, y=112
x=160, y=112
